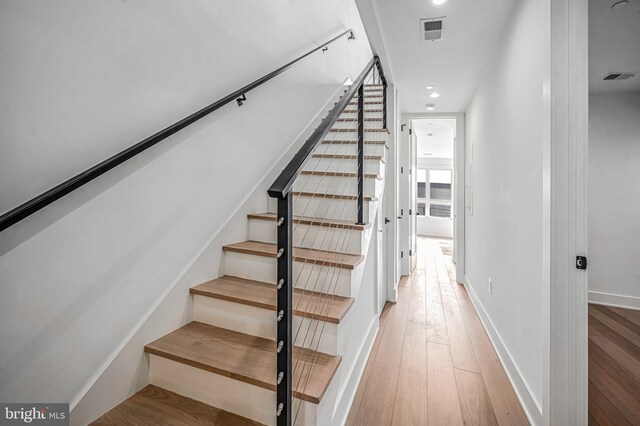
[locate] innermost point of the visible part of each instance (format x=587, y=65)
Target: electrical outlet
x=490, y=285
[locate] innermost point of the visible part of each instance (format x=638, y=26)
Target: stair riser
x=323, y=279
x=351, y=149
x=353, y=136
x=320, y=208
x=337, y=185
x=244, y=399
x=310, y=236
x=354, y=115
x=313, y=334
x=353, y=124
x=336, y=209
x=344, y=165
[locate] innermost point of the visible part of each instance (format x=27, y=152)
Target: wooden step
x=332, y=196
x=339, y=174
x=313, y=221
x=310, y=256
x=355, y=130
x=246, y=358
x=157, y=406
x=366, y=103
x=308, y=304
x=349, y=157
x=354, y=120
x=354, y=111
x=343, y=142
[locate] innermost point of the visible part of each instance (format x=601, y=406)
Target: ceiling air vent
x=431, y=29
x=618, y=76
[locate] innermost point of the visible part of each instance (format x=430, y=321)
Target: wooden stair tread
x=308, y=304
x=349, y=157
x=366, y=103
x=353, y=111
x=246, y=358
x=355, y=130
x=315, y=221
x=332, y=196
x=311, y=256
x=157, y=406
x=339, y=174
x=353, y=120
x=343, y=142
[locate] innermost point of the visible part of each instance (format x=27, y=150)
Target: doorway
x=613, y=209
x=432, y=195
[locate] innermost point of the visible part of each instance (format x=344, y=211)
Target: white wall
x=504, y=142
x=82, y=80
x=614, y=199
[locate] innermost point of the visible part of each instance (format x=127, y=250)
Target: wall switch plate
x=490, y=285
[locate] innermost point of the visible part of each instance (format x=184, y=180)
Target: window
x=422, y=192
x=434, y=193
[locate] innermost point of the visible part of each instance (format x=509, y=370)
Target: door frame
x=458, y=185
x=565, y=146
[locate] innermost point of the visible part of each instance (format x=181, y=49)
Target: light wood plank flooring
x=614, y=366
x=432, y=362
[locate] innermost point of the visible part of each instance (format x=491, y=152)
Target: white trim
x=615, y=300
x=532, y=406
x=565, y=142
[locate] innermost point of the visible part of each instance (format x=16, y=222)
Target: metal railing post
x=285, y=285
x=361, y=155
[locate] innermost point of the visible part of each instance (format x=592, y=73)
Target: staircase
x=220, y=368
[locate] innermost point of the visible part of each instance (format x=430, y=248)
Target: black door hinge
x=410, y=253
x=402, y=127
x=581, y=262
x=409, y=212
x=401, y=254
x=409, y=130
x=401, y=212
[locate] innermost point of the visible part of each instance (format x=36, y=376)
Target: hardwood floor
x=154, y=406
x=432, y=362
x=614, y=366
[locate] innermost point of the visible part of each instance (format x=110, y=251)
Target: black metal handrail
x=30, y=207
x=281, y=190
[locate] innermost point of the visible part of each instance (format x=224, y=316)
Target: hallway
x=432, y=361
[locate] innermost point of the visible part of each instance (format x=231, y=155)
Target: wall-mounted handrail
x=30, y=207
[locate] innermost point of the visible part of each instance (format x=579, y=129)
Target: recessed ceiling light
x=435, y=95
x=438, y=2
x=431, y=107
x=427, y=153
x=620, y=4
x=430, y=87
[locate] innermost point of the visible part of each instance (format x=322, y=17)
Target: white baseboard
x=531, y=406
x=616, y=300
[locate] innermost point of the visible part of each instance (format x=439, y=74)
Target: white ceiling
x=453, y=65
x=434, y=137
x=614, y=45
